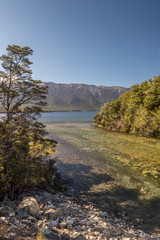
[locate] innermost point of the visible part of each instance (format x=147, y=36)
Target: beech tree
x=23, y=141
x=136, y=111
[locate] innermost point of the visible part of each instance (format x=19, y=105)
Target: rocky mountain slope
x=71, y=97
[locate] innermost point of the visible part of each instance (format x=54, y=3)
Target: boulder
x=30, y=205
x=52, y=214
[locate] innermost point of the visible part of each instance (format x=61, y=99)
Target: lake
x=78, y=116
x=116, y=172
x=67, y=116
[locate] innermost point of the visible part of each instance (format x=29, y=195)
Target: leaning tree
x=23, y=141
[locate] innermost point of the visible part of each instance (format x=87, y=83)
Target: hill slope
x=71, y=97
x=136, y=111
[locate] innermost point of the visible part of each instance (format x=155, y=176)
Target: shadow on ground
x=118, y=201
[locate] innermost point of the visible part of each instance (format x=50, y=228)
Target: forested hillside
x=72, y=97
x=136, y=111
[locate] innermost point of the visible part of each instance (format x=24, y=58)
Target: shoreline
x=59, y=216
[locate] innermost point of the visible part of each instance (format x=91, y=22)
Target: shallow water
x=115, y=171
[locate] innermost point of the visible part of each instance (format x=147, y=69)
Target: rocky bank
x=60, y=217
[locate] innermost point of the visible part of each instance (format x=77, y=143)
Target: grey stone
x=83, y=222
x=80, y=237
x=70, y=221
x=51, y=235
x=53, y=213
x=63, y=224
x=22, y=214
x=32, y=219
x=53, y=224
x=9, y=203
x=5, y=211
x=102, y=214
x=39, y=215
x=30, y=205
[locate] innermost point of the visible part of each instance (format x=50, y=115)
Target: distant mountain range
x=80, y=97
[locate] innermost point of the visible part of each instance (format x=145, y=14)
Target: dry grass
x=40, y=234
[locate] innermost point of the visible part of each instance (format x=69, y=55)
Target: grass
x=40, y=234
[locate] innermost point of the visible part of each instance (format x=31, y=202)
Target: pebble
x=63, y=224
x=60, y=218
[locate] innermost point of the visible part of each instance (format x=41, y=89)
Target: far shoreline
x=65, y=111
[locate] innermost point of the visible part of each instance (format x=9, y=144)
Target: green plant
x=40, y=234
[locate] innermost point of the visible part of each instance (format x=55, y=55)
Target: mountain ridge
x=80, y=97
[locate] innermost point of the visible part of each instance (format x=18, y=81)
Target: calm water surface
x=116, y=172
x=67, y=116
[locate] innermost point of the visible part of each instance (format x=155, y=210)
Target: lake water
x=79, y=116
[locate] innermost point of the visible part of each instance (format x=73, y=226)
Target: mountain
x=72, y=97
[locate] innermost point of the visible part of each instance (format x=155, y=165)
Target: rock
x=83, y=227
x=32, y=219
x=30, y=205
x=51, y=235
x=93, y=238
x=3, y=219
x=70, y=221
x=24, y=221
x=99, y=238
x=126, y=218
x=82, y=222
x=40, y=223
x=63, y=224
x=53, y=224
x=5, y=211
x=39, y=215
x=53, y=213
x=80, y=237
x=12, y=214
x=69, y=227
x=65, y=236
x=73, y=224
x=75, y=233
x=22, y=214
x=9, y=203
x=102, y=214
x=88, y=223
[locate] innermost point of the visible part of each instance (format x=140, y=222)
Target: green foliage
x=24, y=147
x=136, y=111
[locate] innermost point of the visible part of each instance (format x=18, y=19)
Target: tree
x=136, y=111
x=23, y=141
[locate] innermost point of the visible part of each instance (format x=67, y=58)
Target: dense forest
x=136, y=111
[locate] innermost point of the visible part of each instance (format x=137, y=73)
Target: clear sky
x=100, y=42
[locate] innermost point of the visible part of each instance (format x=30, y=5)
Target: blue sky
x=100, y=42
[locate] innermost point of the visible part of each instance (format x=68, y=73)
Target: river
x=117, y=172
